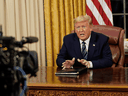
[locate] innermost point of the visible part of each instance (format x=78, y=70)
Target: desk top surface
x=106, y=77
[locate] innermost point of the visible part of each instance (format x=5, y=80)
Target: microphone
x=29, y=39
x=26, y=40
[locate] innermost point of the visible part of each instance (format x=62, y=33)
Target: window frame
x=124, y=14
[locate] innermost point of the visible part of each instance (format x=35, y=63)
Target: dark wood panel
x=126, y=58
x=74, y=93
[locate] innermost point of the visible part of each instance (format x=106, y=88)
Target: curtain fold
x=59, y=21
x=48, y=31
x=55, y=28
x=24, y=18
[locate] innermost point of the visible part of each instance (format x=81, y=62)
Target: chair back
x=116, y=42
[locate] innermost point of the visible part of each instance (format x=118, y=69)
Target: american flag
x=100, y=11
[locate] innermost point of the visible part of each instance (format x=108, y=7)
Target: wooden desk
x=94, y=82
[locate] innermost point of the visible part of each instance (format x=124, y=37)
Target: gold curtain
x=24, y=18
x=59, y=16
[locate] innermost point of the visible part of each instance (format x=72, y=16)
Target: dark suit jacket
x=98, y=52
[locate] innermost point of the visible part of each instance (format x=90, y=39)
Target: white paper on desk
x=125, y=43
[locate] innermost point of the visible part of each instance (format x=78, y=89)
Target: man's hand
x=84, y=62
x=68, y=63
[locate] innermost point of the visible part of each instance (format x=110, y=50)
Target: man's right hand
x=68, y=63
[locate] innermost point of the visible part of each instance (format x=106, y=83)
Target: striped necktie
x=84, y=52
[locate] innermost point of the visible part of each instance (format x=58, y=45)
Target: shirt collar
x=86, y=41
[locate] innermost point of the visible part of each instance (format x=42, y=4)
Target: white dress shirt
x=87, y=46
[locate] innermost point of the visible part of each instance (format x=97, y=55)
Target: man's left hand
x=84, y=62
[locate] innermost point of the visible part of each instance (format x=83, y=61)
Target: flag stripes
x=100, y=11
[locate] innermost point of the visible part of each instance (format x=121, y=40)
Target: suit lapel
x=92, y=45
x=77, y=48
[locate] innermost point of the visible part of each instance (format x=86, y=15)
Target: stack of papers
x=126, y=45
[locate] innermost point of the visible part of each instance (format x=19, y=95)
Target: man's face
x=83, y=30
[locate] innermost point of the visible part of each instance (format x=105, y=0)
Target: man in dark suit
x=85, y=47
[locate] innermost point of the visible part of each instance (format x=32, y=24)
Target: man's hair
x=83, y=18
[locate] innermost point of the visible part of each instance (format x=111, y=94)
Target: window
x=120, y=14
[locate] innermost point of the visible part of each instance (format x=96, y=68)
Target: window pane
x=126, y=31
x=117, y=6
x=126, y=6
x=118, y=21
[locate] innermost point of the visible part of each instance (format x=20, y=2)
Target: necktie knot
x=83, y=43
